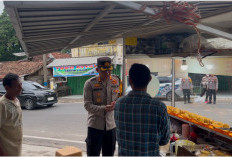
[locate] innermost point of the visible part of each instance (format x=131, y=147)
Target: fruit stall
x=214, y=138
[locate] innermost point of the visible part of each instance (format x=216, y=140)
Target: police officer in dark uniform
x=100, y=94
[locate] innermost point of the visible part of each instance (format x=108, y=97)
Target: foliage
x=9, y=43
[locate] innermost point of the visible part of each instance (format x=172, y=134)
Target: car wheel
x=29, y=104
x=50, y=105
x=169, y=96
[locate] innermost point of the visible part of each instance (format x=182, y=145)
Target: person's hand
x=110, y=107
x=216, y=89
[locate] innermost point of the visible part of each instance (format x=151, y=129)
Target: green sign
x=69, y=71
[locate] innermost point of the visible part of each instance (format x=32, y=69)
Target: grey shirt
x=96, y=96
x=213, y=82
x=186, y=83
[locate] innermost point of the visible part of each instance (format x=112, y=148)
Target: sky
x=1, y=6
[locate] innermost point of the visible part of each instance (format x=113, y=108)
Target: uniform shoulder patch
x=93, y=78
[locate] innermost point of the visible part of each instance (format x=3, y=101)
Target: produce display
x=200, y=120
x=206, y=150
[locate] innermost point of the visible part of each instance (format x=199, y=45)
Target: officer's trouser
x=100, y=139
x=212, y=92
x=186, y=93
x=205, y=91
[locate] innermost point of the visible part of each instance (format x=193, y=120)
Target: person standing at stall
x=204, y=83
x=100, y=94
x=11, y=130
x=142, y=121
x=187, y=87
x=212, y=88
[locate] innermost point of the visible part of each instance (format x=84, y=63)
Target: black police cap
x=104, y=61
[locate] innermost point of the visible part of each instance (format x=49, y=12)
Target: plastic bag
x=199, y=99
x=190, y=44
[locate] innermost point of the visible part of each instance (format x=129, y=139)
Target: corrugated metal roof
x=74, y=61
x=46, y=26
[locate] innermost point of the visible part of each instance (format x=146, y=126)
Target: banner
x=131, y=41
x=83, y=70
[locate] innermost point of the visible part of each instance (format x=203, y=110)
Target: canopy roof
x=46, y=26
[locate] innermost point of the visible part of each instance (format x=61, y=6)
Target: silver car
x=165, y=89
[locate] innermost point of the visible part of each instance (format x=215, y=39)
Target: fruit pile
x=200, y=120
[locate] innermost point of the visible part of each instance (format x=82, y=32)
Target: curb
x=70, y=100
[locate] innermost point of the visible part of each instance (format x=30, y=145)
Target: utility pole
x=124, y=68
x=45, y=70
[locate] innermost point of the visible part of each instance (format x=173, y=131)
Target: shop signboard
x=71, y=71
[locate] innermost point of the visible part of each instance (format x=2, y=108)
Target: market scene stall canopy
x=46, y=26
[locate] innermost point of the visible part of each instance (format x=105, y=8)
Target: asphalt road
x=66, y=123
x=57, y=126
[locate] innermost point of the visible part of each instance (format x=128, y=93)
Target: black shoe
x=209, y=103
x=185, y=102
x=214, y=102
x=190, y=102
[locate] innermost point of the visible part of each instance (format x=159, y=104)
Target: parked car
x=165, y=90
x=34, y=95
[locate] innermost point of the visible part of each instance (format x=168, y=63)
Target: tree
x=9, y=43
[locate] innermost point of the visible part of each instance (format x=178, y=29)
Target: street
x=66, y=123
x=58, y=126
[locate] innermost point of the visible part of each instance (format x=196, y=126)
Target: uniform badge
x=107, y=64
x=114, y=82
x=98, y=94
x=116, y=91
x=98, y=99
x=97, y=85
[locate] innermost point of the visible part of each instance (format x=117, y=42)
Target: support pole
x=214, y=31
x=123, y=67
x=173, y=82
x=45, y=70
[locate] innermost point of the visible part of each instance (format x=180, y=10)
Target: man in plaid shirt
x=142, y=123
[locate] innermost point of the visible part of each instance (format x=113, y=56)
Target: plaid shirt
x=142, y=125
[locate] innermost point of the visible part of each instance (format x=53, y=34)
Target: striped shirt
x=142, y=125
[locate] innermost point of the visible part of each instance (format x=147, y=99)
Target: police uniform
x=101, y=124
x=186, y=86
x=204, y=83
x=212, y=88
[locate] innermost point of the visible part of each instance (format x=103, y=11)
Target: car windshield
x=166, y=79
x=32, y=86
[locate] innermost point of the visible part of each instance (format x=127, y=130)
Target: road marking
x=57, y=139
x=53, y=139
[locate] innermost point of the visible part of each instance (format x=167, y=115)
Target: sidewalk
x=33, y=150
x=71, y=99
x=221, y=97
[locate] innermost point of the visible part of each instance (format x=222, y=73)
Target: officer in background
x=212, y=88
x=204, y=83
x=186, y=86
x=100, y=94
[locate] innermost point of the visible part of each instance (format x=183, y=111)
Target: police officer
x=212, y=88
x=204, y=83
x=100, y=94
x=186, y=86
